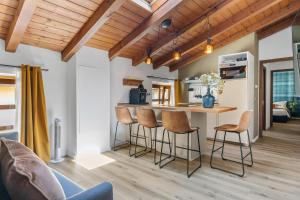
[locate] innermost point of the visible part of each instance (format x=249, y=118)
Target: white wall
x=278, y=45
x=55, y=83
x=270, y=67
x=122, y=68
x=93, y=100
x=61, y=84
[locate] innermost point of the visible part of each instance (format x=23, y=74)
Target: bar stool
x=238, y=129
x=178, y=123
x=124, y=117
x=146, y=118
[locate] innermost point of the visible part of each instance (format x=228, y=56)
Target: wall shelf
x=6, y=128
x=7, y=107
x=9, y=80
x=132, y=82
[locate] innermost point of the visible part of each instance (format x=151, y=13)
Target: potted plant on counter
x=211, y=80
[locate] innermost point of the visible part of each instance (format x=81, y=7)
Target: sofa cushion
x=3, y=192
x=25, y=176
x=70, y=188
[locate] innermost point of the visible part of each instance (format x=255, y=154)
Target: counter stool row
x=175, y=122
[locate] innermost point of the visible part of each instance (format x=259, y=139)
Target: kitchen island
x=198, y=116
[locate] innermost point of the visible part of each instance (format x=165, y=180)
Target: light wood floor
x=275, y=174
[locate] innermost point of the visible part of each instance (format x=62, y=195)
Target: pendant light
x=209, y=47
x=165, y=24
x=148, y=59
x=176, y=54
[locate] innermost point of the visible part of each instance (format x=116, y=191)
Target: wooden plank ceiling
x=67, y=25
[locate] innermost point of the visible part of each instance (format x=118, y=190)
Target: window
x=283, y=85
x=8, y=116
x=161, y=94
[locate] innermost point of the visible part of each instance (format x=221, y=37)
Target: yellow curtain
x=177, y=89
x=34, y=125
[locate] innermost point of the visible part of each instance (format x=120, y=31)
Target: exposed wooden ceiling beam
x=166, y=40
x=192, y=58
x=18, y=26
x=156, y=18
x=243, y=15
x=277, y=26
x=157, y=4
x=284, y=12
x=97, y=20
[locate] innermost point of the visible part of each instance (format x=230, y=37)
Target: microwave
x=233, y=72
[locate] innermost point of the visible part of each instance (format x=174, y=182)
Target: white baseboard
x=255, y=139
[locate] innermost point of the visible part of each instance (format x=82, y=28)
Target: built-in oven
x=233, y=72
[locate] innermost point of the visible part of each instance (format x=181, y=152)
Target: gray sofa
x=103, y=191
x=72, y=191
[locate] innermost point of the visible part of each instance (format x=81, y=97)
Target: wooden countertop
x=185, y=107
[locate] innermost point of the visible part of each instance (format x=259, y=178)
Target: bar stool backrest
x=244, y=121
x=123, y=115
x=146, y=117
x=176, y=121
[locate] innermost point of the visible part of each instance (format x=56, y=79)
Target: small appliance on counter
x=138, y=95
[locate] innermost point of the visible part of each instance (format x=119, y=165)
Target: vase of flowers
x=211, y=80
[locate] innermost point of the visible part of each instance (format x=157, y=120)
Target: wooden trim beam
x=97, y=20
x=284, y=12
x=241, y=16
x=277, y=26
x=276, y=60
x=169, y=38
x=19, y=24
x=156, y=18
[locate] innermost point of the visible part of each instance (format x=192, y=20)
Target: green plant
x=292, y=105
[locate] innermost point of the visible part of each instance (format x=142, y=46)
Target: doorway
x=265, y=105
x=277, y=97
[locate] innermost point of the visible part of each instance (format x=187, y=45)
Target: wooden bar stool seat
x=147, y=119
x=177, y=122
x=124, y=117
x=238, y=129
x=229, y=128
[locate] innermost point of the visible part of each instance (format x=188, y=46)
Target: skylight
x=146, y=4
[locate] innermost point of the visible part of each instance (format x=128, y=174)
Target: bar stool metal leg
x=150, y=130
x=213, y=149
x=199, y=148
x=170, y=147
x=250, y=149
x=241, y=153
x=224, y=139
x=130, y=139
x=155, y=147
x=116, y=135
x=161, y=150
x=155, y=138
x=115, y=148
x=189, y=174
x=162, y=146
x=188, y=155
x=142, y=152
x=242, y=157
